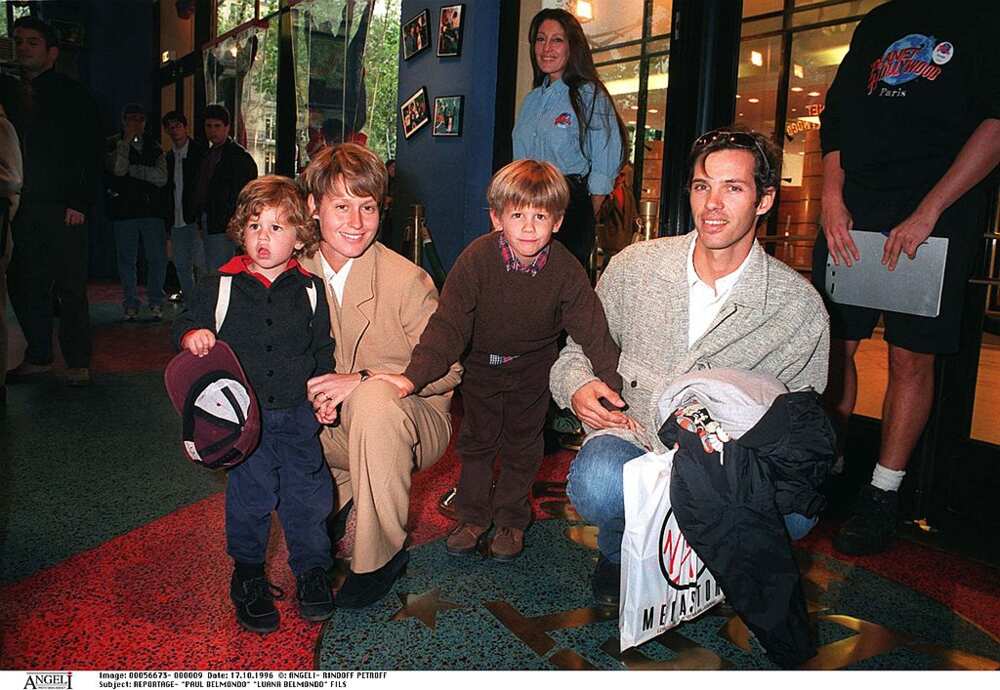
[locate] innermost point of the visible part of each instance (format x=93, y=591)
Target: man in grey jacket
x=712, y=298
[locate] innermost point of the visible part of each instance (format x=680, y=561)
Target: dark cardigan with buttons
x=279, y=340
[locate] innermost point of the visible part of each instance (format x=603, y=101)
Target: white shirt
x=336, y=279
x=704, y=302
x=179, y=155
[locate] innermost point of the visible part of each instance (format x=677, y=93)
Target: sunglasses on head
x=741, y=140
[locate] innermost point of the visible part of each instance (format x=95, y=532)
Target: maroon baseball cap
x=221, y=418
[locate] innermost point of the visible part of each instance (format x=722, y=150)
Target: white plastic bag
x=663, y=580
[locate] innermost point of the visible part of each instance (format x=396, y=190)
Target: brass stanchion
x=416, y=231
x=645, y=221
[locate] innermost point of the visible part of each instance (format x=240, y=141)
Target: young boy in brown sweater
x=505, y=302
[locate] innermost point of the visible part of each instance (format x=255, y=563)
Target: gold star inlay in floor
x=424, y=607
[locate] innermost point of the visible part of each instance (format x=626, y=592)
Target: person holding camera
x=138, y=171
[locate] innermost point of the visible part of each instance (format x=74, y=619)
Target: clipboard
x=913, y=288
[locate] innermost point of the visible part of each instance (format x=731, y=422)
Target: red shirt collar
x=241, y=264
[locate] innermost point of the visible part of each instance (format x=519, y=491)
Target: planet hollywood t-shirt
x=920, y=76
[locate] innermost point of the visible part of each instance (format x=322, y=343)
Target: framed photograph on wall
x=414, y=113
x=450, y=30
x=416, y=34
x=448, y=112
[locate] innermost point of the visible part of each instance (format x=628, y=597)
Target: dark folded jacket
x=727, y=509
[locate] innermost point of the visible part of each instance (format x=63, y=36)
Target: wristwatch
x=365, y=375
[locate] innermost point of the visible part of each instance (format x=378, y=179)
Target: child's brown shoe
x=464, y=539
x=507, y=543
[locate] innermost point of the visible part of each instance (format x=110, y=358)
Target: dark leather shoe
x=254, y=598
x=872, y=527
x=336, y=523
x=507, y=544
x=465, y=539
x=606, y=582
x=365, y=589
x=315, y=595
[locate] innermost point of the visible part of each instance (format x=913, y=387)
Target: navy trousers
x=286, y=473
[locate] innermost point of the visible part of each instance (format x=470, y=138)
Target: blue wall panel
x=449, y=175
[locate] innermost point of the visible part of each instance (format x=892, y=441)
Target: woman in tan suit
x=379, y=305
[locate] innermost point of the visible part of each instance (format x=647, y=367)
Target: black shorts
x=963, y=224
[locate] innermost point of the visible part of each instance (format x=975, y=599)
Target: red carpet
x=157, y=597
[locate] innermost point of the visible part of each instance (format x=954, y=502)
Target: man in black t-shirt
x=910, y=129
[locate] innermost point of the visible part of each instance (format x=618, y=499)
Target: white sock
x=886, y=479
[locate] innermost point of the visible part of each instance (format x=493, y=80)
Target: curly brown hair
x=283, y=193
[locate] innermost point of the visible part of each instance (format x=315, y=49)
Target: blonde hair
x=361, y=172
x=527, y=183
x=274, y=191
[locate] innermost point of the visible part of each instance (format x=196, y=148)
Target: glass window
x=231, y=13
x=855, y=8
x=751, y=8
x=622, y=81
x=335, y=97
x=757, y=85
x=227, y=63
x=762, y=26
x=602, y=55
x=259, y=107
x=611, y=22
x=382, y=77
x=816, y=54
x=662, y=16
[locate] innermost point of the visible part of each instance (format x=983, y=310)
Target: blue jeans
x=218, y=250
x=286, y=473
x=189, y=254
x=594, y=485
x=154, y=244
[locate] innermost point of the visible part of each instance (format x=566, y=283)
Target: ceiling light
x=653, y=111
x=753, y=100
x=756, y=58
x=738, y=96
x=584, y=10
x=797, y=89
x=813, y=94
x=634, y=107
x=740, y=115
x=631, y=122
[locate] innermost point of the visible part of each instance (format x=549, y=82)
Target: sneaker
x=315, y=595
x=464, y=539
x=78, y=377
x=157, y=312
x=254, y=599
x=871, y=528
x=364, y=589
x=131, y=314
x=506, y=544
x=606, y=582
x=26, y=371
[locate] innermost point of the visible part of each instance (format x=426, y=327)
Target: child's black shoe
x=254, y=598
x=315, y=594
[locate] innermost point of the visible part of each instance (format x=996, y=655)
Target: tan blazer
x=387, y=303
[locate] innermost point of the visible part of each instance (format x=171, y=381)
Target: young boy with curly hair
x=278, y=324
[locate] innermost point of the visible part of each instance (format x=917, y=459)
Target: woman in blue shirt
x=569, y=120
